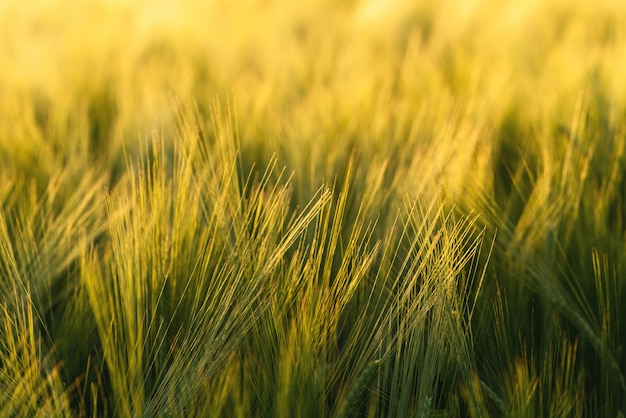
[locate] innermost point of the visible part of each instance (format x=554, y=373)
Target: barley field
x=347, y=208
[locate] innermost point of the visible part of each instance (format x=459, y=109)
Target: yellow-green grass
x=316, y=208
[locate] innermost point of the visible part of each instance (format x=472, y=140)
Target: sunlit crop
x=312, y=208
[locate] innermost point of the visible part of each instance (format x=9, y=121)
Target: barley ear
x=350, y=404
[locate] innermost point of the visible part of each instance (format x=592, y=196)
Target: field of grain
x=318, y=208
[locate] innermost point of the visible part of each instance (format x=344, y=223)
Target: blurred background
x=123, y=65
